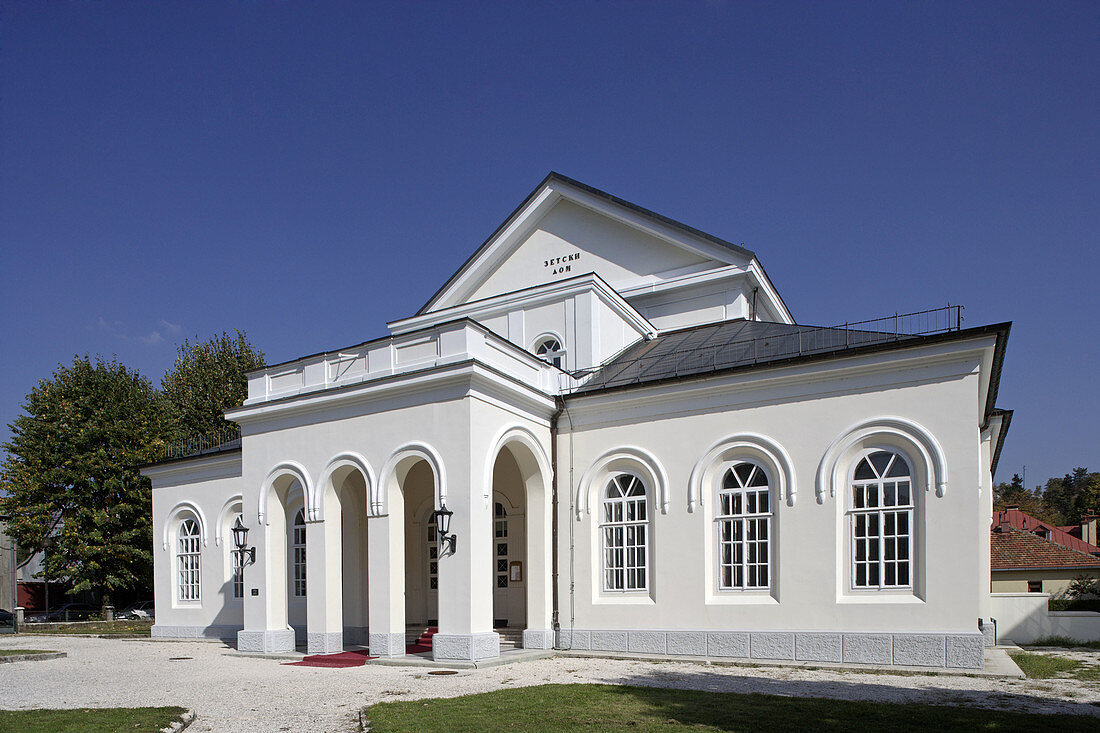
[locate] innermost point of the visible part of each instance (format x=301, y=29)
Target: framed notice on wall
x=515, y=572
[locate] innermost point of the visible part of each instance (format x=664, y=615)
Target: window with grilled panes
x=744, y=517
x=433, y=558
x=501, y=519
x=188, y=560
x=624, y=531
x=881, y=522
x=298, y=546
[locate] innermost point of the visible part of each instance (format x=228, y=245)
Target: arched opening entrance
x=344, y=547
x=421, y=546
x=520, y=563
x=287, y=581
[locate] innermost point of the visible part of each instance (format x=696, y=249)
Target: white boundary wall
x=1023, y=618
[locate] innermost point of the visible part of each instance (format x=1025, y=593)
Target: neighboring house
x=643, y=453
x=1033, y=556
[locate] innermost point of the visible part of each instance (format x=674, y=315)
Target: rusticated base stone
x=687, y=643
x=965, y=651
x=728, y=644
x=919, y=650
x=324, y=642
x=570, y=640
x=771, y=645
x=867, y=649
x=386, y=645
x=465, y=647
x=266, y=642
x=989, y=631
x=813, y=647
x=227, y=633
x=538, y=639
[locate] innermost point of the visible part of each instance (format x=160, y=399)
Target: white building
x=643, y=454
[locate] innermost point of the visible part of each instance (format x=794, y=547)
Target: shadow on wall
x=913, y=688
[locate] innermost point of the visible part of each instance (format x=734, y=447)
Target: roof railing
x=208, y=443
x=805, y=340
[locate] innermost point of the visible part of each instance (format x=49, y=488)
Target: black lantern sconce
x=442, y=519
x=240, y=541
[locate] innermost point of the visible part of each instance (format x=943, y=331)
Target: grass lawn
x=12, y=652
x=1064, y=641
x=89, y=720
x=548, y=708
x=1044, y=666
x=99, y=628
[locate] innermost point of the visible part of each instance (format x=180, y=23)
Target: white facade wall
x=1023, y=618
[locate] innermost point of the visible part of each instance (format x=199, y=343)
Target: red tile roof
x=1028, y=523
x=1015, y=549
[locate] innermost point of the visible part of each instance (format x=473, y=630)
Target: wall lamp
x=240, y=541
x=442, y=519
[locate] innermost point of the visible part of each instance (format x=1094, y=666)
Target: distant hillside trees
x=1060, y=501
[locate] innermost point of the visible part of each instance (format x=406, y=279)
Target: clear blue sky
x=307, y=171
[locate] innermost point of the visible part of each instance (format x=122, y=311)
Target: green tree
x=207, y=379
x=71, y=474
x=1014, y=494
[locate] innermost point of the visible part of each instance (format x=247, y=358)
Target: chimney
x=1088, y=528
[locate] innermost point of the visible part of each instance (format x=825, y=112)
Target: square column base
x=538, y=639
x=465, y=647
x=324, y=642
x=386, y=645
x=266, y=642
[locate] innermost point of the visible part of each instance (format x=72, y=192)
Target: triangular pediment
x=564, y=229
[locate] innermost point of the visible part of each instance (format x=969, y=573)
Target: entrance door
x=500, y=565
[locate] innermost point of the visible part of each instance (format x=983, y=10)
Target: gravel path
x=230, y=693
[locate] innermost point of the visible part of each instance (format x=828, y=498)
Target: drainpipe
x=554, y=513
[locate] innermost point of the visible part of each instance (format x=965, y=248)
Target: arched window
x=881, y=521
x=549, y=349
x=744, y=517
x=624, y=528
x=298, y=547
x=237, y=565
x=188, y=556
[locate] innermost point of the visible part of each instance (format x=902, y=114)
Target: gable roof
x=1027, y=523
x=1015, y=549
x=554, y=177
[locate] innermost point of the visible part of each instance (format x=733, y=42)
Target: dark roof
x=719, y=347
x=1027, y=523
x=553, y=176
x=1014, y=549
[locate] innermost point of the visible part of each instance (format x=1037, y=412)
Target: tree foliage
x=1060, y=501
x=71, y=474
x=207, y=379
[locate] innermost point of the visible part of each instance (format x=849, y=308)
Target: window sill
x=631, y=599
x=741, y=598
x=880, y=597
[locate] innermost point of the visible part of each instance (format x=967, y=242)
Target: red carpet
x=424, y=643
x=334, y=661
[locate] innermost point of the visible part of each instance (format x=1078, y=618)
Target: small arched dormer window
x=881, y=521
x=550, y=349
x=188, y=557
x=624, y=526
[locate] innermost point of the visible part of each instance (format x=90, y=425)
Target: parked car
x=7, y=618
x=143, y=610
x=72, y=612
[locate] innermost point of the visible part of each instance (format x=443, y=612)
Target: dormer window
x=550, y=350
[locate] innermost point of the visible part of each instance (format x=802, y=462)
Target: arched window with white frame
x=298, y=553
x=880, y=518
x=624, y=530
x=550, y=349
x=743, y=516
x=189, y=561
